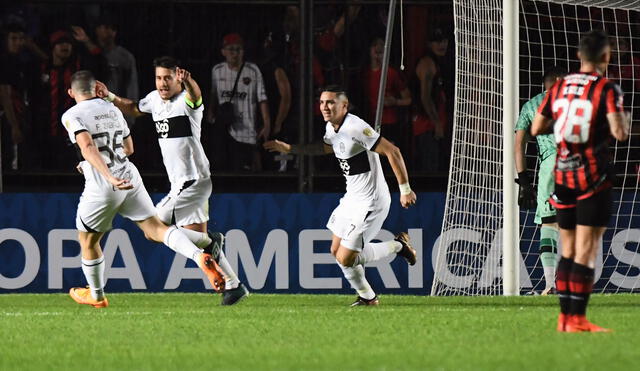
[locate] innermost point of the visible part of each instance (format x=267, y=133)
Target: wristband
x=110, y=98
x=405, y=189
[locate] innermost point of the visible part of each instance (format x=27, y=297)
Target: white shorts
x=100, y=202
x=355, y=225
x=187, y=203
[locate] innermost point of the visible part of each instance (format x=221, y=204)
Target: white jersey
x=249, y=93
x=107, y=127
x=353, y=146
x=178, y=127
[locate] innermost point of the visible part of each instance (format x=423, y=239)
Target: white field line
x=104, y=312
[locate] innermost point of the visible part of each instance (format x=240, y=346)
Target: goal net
x=468, y=254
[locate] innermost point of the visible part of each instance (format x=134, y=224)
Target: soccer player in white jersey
x=177, y=114
x=361, y=212
x=113, y=185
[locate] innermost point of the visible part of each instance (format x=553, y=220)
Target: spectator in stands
x=278, y=90
x=341, y=44
x=291, y=26
x=18, y=76
x=625, y=69
x=53, y=99
x=430, y=110
x=122, y=74
x=249, y=94
x=331, y=24
x=396, y=95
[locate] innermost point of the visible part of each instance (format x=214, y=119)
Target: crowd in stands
x=254, y=68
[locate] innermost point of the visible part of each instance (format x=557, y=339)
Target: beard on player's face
x=166, y=83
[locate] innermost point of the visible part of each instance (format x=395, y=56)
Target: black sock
x=562, y=284
x=580, y=285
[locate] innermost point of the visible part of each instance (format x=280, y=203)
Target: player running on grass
x=585, y=110
x=177, y=114
x=361, y=212
x=545, y=212
x=113, y=185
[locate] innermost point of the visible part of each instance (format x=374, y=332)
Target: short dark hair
x=83, y=81
x=14, y=28
x=166, y=62
x=375, y=40
x=107, y=21
x=336, y=89
x=592, y=45
x=553, y=73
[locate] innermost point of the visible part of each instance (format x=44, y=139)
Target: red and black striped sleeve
x=614, y=97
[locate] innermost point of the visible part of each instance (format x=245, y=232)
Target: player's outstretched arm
x=540, y=125
x=92, y=155
x=194, y=94
x=127, y=106
x=392, y=153
x=619, y=125
x=311, y=149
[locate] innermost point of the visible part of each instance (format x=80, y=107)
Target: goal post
x=510, y=241
x=488, y=246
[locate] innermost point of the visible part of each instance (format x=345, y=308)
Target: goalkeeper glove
x=527, y=195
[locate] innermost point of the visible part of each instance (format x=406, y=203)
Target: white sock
x=230, y=276
x=375, y=251
x=180, y=243
x=94, y=273
x=549, y=277
x=199, y=239
x=355, y=276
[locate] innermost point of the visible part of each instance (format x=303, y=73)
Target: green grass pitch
x=293, y=332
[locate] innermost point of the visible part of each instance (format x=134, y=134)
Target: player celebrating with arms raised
x=545, y=213
x=361, y=212
x=177, y=114
x=113, y=185
x=584, y=109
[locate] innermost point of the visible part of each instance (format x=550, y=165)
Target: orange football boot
x=82, y=295
x=579, y=323
x=562, y=320
x=212, y=270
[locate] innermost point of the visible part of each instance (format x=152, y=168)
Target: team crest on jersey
x=246, y=80
x=162, y=127
x=368, y=132
x=344, y=165
x=342, y=149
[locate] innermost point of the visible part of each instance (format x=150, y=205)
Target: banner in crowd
x=278, y=243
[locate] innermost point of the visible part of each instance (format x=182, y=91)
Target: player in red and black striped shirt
x=585, y=110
